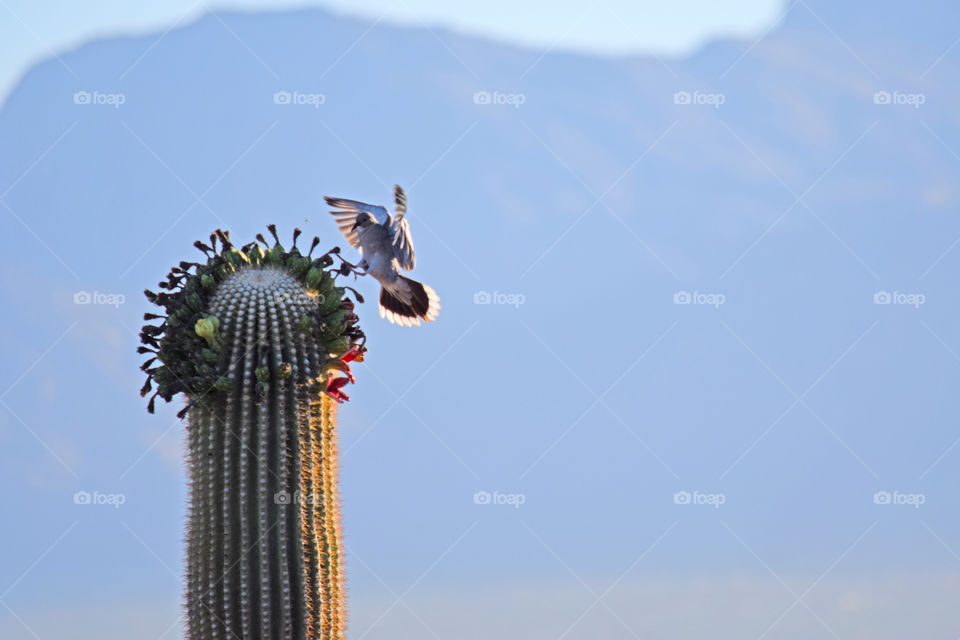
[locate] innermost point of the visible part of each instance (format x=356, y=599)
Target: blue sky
x=736, y=276
x=31, y=29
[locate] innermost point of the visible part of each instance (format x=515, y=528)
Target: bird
x=387, y=247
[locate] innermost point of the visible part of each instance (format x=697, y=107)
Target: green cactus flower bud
x=305, y=323
x=208, y=329
x=314, y=276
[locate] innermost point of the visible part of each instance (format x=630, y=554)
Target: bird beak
x=355, y=225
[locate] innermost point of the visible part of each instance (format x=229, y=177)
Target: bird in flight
x=387, y=247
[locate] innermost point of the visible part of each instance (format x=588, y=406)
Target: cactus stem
x=251, y=338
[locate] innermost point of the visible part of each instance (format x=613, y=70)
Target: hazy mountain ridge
x=695, y=202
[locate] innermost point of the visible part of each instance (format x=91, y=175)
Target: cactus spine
x=254, y=338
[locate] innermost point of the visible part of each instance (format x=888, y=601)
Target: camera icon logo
x=681, y=97
x=481, y=497
x=681, y=497
x=82, y=297
x=282, y=497
x=281, y=97
x=81, y=497
x=682, y=297
x=81, y=97
x=881, y=97
x=481, y=97
x=882, y=297
x=482, y=297
x=881, y=497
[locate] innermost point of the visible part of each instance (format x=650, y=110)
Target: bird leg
x=359, y=269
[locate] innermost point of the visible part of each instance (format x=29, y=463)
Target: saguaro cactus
x=258, y=340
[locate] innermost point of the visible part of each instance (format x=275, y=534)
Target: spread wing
x=400, y=232
x=347, y=216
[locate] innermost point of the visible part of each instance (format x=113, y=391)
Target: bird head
x=364, y=220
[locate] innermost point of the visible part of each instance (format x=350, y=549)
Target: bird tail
x=406, y=301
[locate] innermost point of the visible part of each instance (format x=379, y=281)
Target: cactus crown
x=185, y=348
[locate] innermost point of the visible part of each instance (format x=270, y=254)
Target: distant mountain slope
x=796, y=176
